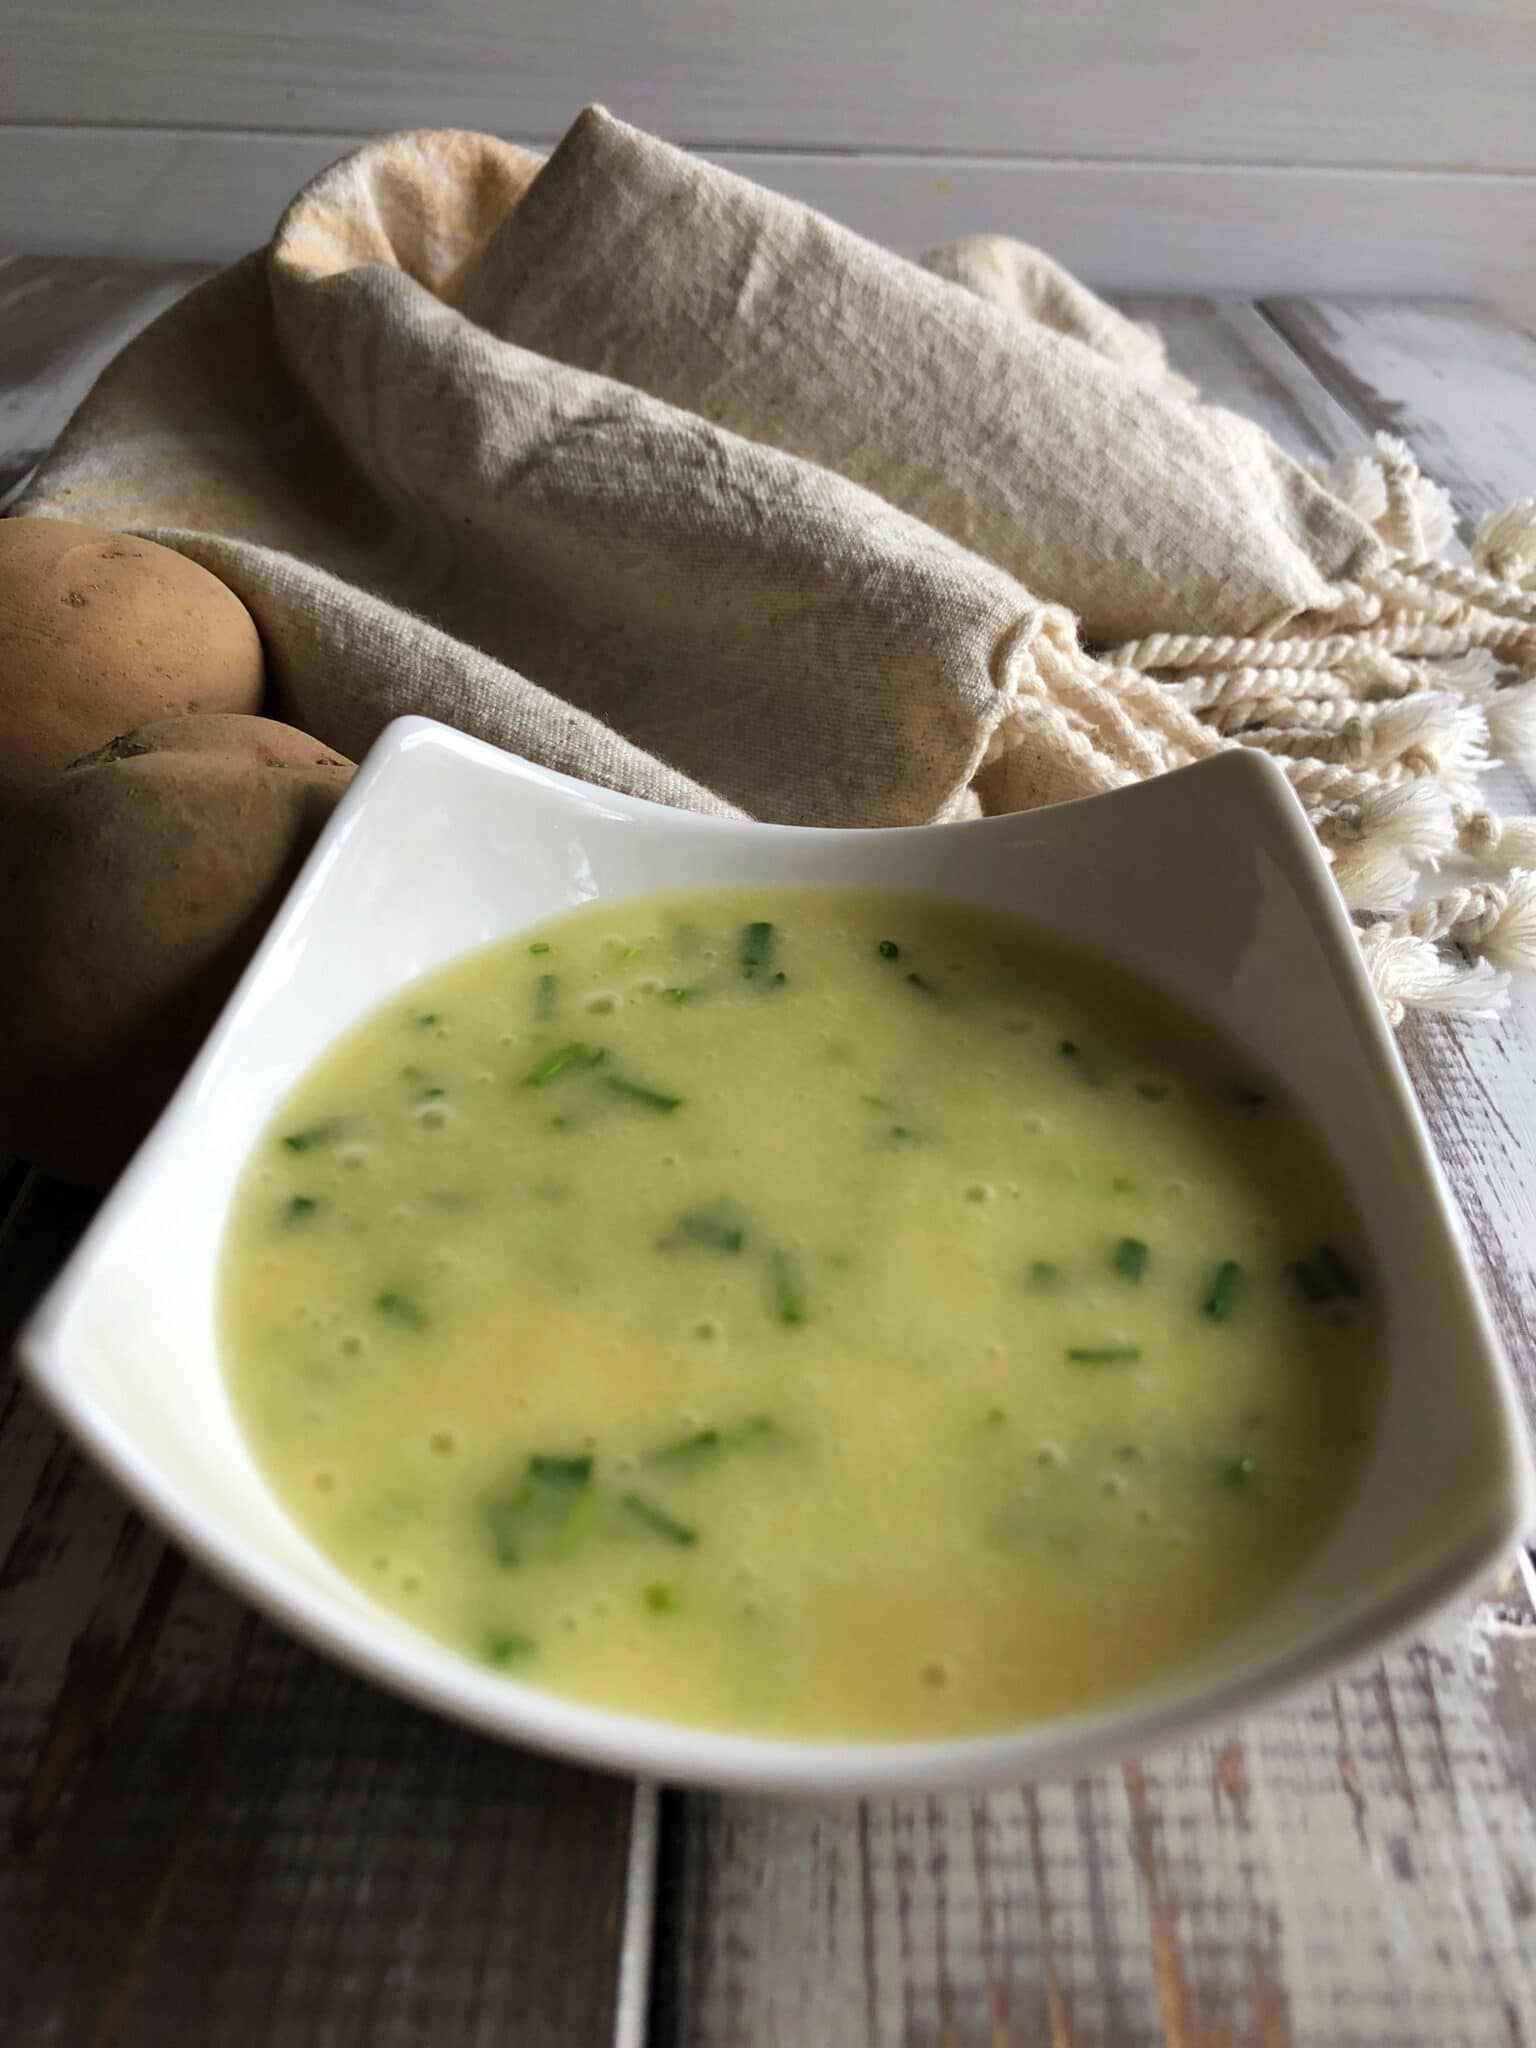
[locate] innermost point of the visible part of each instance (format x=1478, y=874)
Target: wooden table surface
x=220, y=1838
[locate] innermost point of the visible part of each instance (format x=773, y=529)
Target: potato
x=101, y=633
x=133, y=889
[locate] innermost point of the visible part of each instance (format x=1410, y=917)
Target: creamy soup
x=806, y=1312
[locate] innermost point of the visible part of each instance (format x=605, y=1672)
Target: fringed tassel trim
x=1384, y=712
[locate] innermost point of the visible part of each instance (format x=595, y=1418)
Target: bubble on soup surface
x=325, y=1481
x=977, y=1191
x=707, y=1329
x=354, y=1157
x=353, y=1344
x=934, y=1674
x=603, y=1004
x=1049, y=1454
x=444, y=1441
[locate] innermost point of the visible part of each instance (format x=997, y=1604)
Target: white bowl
x=1208, y=881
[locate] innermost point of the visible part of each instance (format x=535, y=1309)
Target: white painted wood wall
x=1243, y=145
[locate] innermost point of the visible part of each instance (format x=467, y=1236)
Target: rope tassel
x=1384, y=710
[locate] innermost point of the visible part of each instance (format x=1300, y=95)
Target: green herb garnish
x=1130, y=1258
x=663, y=1598
x=507, y=1646
x=888, y=950
x=924, y=985
x=659, y=1522
x=720, y=1226
x=299, y=1208
x=539, y=946
x=402, y=1309
x=546, y=991
x=635, y=1091
x=575, y=1055
x=1224, y=1286
x=787, y=1281
x=1237, y=1473
x=315, y=1135
x=682, y=995
x=1042, y=1277
x=704, y=1446
x=755, y=952
x=1104, y=1354
x=545, y=1512
x=1323, y=1275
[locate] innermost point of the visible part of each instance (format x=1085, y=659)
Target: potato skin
x=133, y=889
x=101, y=633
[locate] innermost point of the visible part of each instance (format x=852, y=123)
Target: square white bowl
x=1208, y=882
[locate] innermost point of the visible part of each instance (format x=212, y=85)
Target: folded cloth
x=652, y=475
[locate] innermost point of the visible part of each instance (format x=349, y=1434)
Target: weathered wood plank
x=1358, y=1868
x=1354, y=1870
x=220, y=1837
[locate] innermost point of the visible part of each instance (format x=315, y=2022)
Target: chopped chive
x=922, y=983
x=508, y=1646
x=1224, y=1285
x=1069, y=1049
x=903, y=1134
x=546, y=1511
x=546, y=990
x=1130, y=1258
x=1342, y=1277
x=628, y=953
x=1237, y=1473
x=635, y=1091
x=1104, y=1354
x=682, y=995
x=1122, y=1184
x=789, y=1303
x=663, y=1598
x=705, y=1445
x=877, y=1101
x=315, y=1135
x=1323, y=1275
x=888, y=950
x=426, y=1020
x=539, y=946
x=1250, y=1099
x=659, y=1522
x=720, y=1226
x=559, y=1471
x=755, y=950
x=574, y=1055
x=402, y=1309
x=299, y=1208
x=431, y=1094
x=1042, y=1277
x=994, y=1418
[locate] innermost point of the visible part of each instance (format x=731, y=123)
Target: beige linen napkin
x=649, y=474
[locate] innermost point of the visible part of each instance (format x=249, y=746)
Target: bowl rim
x=429, y=1673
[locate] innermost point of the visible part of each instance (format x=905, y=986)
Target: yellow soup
x=802, y=1311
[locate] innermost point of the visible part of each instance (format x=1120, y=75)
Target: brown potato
x=133, y=889
x=101, y=633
